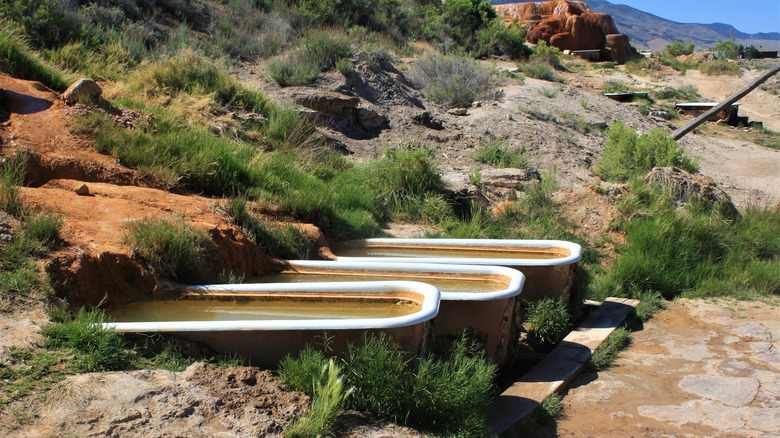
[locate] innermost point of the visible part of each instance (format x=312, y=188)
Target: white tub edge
x=428, y=309
x=575, y=252
x=514, y=287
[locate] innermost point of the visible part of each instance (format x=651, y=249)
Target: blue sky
x=750, y=16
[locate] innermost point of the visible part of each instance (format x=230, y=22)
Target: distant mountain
x=648, y=31
x=727, y=29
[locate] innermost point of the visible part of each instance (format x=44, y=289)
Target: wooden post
x=678, y=134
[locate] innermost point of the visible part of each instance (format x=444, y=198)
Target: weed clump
x=454, y=81
x=11, y=178
x=628, y=154
x=173, y=249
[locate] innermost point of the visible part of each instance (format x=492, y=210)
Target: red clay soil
x=93, y=261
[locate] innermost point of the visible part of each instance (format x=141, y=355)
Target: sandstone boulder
x=570, y=25
x=82, y=89
x=619, y=48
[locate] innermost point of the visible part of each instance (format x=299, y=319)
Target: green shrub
x=608, y=351
x=19, y=61
x=197, y=75
x=548, y=320
x=173, y=249
x=727, y=50
x=643, y=109
x=643, y=66
x=451, y=393
x=19, y=276
x=324, y=49
x=550, y=409
x=96, y=348
x=501, y=40
x=454, y=81
x=379, y=373
x=283, y=242
x=547, y=54
x=678, y=48
x=447, y=393
x=689, y=93
x=345, y=66
x=399, y=181
x=720, y=67
x=539, y=70
x=326, y=406
x=628, y=154
x=171, y=358
x=495, y=153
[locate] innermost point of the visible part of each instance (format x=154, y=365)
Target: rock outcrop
x=570, y=25
x=683, y=187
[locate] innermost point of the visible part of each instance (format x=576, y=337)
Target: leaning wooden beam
x=559, y=367
x=678, y=134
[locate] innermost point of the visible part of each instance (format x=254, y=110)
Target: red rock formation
x=570, y=25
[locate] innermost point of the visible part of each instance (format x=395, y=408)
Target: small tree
x=727, y=49
x=678, y=48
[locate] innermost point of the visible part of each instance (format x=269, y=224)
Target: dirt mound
x=40, y=124
x=97, y=264
x=202, y=401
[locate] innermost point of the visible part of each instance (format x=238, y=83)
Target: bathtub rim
x=575, y=252
x=513, y=288
x=429, y=308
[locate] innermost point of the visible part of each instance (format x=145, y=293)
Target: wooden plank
x=601, y=323
x=559, y=368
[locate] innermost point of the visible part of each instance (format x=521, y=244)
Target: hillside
x=220, y=139
x=648, y=31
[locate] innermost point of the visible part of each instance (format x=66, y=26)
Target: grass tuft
x=495, y=153
x=284, y=242
x=12, y=170
x=608, y=351
x=174, y=249
x=95, y=348
x=19, y=60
